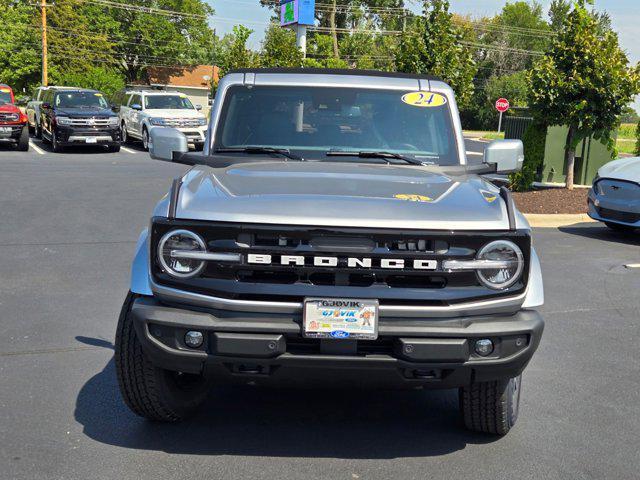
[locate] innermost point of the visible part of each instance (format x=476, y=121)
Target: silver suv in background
x=142, y=110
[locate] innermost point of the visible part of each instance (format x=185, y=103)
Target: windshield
x=168, y=102
x=312, y=121
x=5, y=96
x=81, y=100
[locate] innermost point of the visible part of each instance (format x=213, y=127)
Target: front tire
x=23, y=143
x=616, y=227
x=491, y=407
x=124, y=134
x=149, y=391
x=55, y=145
x=145, y=138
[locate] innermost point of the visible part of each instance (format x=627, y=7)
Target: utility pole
x=301, y=39
x=45, y=63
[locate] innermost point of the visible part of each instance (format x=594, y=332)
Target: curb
x=541, y=220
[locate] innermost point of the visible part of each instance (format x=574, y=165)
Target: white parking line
x=36, y=148
x=475, y=153
x=128, y=150
x=632, y=265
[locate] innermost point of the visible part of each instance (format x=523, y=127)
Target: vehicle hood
x=174, y=113
x=9, y=108
x=625, y=169
x=340, y=194
x=85, y=112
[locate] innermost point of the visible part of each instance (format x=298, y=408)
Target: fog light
x=484, y=347
x=194, y=339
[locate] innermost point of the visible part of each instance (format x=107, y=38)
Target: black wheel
x=620, y=228
x=124, y=134
x=149, y=391
x=113, y=148
x=57, y=148
x=491, y=407
x=23, y=143
x=145, y=138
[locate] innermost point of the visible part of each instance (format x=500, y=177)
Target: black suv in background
x=78, y=117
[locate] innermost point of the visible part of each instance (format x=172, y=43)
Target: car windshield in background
x=5, y=96
x=168, y=102
x=81, y=100
x=316, y=121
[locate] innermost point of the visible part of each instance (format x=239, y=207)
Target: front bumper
x=14, y=135
x=269, y=348
x=68, y=136
x=195, y=135
x=609, y=210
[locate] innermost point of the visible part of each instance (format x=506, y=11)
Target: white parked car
x=615, y=196
x=141, y=110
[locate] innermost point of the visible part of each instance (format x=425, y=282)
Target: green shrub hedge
x=534, y=140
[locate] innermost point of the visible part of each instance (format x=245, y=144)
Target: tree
x=629, y=115
x=638, y=142
x=234, y=53
x=520, y=25
x=432, y=46
x=19, y=45
x=143, y=39
x=105, y=79
x=279, y=48
x=514, y=87
x=584, y=82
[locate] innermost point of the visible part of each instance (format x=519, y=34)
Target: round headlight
x=180, y=241
x=512, y=264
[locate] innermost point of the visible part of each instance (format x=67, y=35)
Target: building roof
x=192, y=77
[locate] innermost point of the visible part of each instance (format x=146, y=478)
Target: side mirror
x=115, y=108
x=136, y=106
x=198, y=107
x=165, y=143
x=46, y=105
x=506, y=155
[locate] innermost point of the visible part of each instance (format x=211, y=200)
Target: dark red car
x=14, y=127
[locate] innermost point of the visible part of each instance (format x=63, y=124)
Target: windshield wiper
x=285, y=152
x=377, y=154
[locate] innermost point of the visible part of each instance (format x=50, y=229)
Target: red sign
x=502, y=105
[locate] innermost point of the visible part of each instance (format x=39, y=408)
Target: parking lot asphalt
x=68, y=227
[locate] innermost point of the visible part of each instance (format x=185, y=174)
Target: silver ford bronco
x=332, y=230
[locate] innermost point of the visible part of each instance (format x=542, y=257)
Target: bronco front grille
x=9, y=117
x=294, y=282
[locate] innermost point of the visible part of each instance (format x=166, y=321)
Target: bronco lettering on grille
x=349, y=262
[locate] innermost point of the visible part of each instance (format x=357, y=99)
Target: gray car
x=615, y=196
x=332, y=233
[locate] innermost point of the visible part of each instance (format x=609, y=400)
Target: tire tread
x=137, y=377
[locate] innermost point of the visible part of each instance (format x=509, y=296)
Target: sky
x=624, y=13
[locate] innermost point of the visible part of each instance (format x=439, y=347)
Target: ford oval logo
x=340, y=334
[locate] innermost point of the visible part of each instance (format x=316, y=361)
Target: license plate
x=5, y=130
x=340, y=318
x=91, y=140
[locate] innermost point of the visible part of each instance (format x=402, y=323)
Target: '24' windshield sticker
x=424, y=99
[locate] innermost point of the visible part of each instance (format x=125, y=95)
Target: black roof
x=338, y=71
